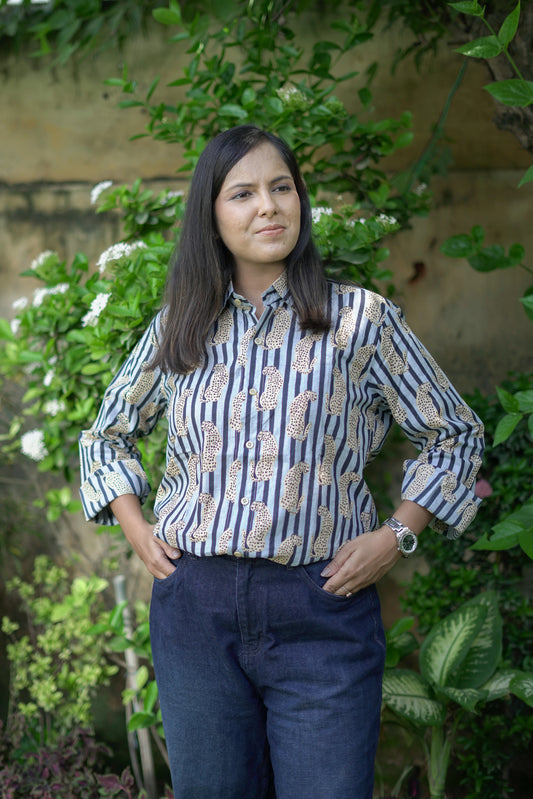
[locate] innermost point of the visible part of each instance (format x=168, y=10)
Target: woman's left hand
x=361, y=562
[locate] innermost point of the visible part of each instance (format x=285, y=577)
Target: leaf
x=507, y=400
x=512, y=92
x=142, y=677
x=472, y=8
x=499, y=685
x=168, y=16
x=5, y=330
x=448, y=643
x=151, y=696
x=467, y=698
x=486, y=47
x=406, y=694
x=509, y=27
x=516, y=253
x=522, y=687
x=460, y=246
x=485, y=652
x=490, y=258
x=506, y=538
x=525, y=400
x=232, y=110
x=527, y=178
x=140, y=721
x=527, y=302
x=505, y=427
x=525, y=540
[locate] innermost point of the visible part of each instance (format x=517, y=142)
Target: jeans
x=269, y=686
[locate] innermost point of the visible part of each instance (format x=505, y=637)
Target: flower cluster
x=41, y=259
x=117, y=251
x=33, y=446
x=98, y=189
x=40, y=294
x=320, y=211
x=97, y=306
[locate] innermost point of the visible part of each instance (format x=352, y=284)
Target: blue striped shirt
x=268, y=440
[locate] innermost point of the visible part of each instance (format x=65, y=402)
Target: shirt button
x=258, y=340
x=253, y=392
x=238, y=303
x=244, y=501
x=237, y=554
x=249, y=444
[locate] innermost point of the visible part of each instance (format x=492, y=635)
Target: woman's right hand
x=156, y=554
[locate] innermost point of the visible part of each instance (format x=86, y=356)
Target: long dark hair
x=201, y=266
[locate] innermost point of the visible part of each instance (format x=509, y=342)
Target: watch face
x=408, y=543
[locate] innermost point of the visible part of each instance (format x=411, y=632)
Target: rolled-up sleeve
x=109, y=459
x=436, y=420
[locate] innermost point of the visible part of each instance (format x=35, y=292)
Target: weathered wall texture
x=61, y=133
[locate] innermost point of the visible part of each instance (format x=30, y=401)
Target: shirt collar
x=274, y=296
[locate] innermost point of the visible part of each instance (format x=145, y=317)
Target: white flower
x=15, y=324
x=97, y=306
x=386, y=220
x=316, y=213
x=53, y=407
x=421, y=189
x=32, y=445
x=20, y=304
x=40, y=294
x=117, y=251
x=49, y=376
x=39, y=261
x=172, y=194
x=99, y=188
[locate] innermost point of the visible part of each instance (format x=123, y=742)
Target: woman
x=279, y=386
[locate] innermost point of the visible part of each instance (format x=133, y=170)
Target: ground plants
x=459, y=671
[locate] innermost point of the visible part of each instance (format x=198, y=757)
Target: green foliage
x=66, y=27
x=463, y=568
x=459, y=670
x=251, y=70
x=514, y=92
x=58, y=664
x=143, y=695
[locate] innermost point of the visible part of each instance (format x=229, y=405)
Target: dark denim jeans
x=269, y=686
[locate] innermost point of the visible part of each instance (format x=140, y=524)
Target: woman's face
x=257, y=212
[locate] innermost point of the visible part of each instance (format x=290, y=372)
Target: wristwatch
x=405, y=538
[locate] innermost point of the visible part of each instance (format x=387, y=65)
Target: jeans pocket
x=178, y=563
x=310, y=573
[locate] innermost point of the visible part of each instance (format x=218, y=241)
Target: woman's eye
x=241, y=194
x=283, y=187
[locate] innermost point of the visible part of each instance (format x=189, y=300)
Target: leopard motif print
x=211, y=446
x=302, y=354
x=320, y=544
x=323, y=471
x=396, y=363
x=264, y=469
x=269, y=398
x=210, y=508
x=217, y=384
x=291, y=499
x=286, y=548
x=334, y=404
x=296, y=427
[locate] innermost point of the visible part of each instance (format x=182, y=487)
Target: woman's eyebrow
x=243, y=185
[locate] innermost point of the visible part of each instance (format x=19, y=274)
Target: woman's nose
x=267, y=204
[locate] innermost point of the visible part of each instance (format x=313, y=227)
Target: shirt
x=268, y=440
